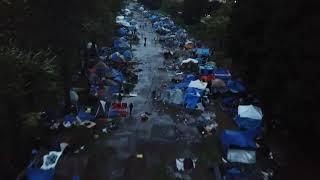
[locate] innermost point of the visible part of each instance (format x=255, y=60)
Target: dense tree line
x=40, y=44
x=275, y=44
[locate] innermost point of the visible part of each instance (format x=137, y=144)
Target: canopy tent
x=241, y=139
x=249, y=117
x=198, y=84
x=236, y=86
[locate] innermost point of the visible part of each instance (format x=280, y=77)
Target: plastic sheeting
x=242, y=139
x=198, y=84
x=241, y=156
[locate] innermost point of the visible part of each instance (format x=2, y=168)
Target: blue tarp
x=222, y=73
x=116, y=57
x=117, y=75
x=83, y=116
x=192, y=97
x=39, y=174
x=247, y=123
x=206, y=70
x=69, y=118
x=202, y=51
x=127, y=54
x=185, y=82
x=121, y=45
x=122, y=31
x=236, y=86
x=242, y=139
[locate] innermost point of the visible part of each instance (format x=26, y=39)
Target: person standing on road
x=145, y=41
x=130, y=108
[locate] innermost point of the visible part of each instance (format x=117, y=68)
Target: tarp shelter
x=236, y=86
x=241, y=139
x=202, y=52
x=249, y=117
x=186, y=81
x=192, y=97
x=198, y=84
x=188, y=45
x=39, y=174
x=222, y=73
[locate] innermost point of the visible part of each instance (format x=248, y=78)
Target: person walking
x=130, y=108
x=145, y=41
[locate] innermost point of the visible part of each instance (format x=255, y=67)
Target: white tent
x=190, y=60
x=198, y=84
x=250, y=111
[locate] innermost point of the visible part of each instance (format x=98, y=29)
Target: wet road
x=160, y=139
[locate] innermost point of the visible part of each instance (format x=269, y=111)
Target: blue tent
x=128, y=54
x=236, y=86
x=206, y=70
x=242, y=139
x=83, y=116
x=249, y=117
x=121, y=45
x=153, y=18
x=116, y=57
x=222, y=73
x=39, y=174
x=122, y=31
x=117, y=75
